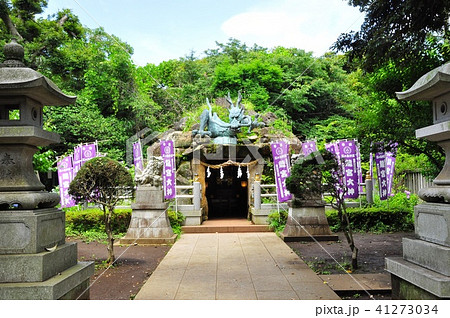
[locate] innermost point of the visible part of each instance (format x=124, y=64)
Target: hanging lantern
x=221, y=173
x=208, y=173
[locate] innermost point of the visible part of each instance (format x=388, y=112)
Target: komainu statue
x=223, y=132
x=152, y=174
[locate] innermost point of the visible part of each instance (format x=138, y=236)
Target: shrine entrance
x=226, y=194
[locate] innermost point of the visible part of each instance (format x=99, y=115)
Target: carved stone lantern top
x=18, y=80
x=433, y=86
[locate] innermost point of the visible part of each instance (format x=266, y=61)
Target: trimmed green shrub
x=374, y=219
x=176, y=221
x=89, y=224
x=78, y=222
x=277, y=221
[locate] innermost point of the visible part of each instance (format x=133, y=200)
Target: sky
x=171, y=29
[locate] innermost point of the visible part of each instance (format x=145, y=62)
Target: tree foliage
x=399, y=30
x=399, y=41
x=102, y=181
x=116, y=99
x=315, y=175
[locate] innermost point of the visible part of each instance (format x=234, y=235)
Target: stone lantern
x=424, y=270
x=35, y=261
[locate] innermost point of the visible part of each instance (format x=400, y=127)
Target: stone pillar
x=369, y=188
x=35, y=260
x=197, y=192
x=423, y=271
x=307, y=222
x=149, y=221
x=257, y=194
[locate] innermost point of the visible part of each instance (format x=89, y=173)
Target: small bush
x=277, y=221
x=176, y=221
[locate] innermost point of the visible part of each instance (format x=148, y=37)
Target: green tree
x=101, y=181
x=398, y=30
x=399, y=41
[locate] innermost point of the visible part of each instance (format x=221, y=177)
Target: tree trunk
x=110, y=246
x=4, y=15
x=348, y=233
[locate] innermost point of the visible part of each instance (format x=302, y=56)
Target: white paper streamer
x=239, y=172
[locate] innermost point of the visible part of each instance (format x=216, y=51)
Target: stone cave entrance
x=227, y=197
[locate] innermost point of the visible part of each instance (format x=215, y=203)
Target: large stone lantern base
x=307, y=222
x=149, y=221
x=35, y=261
x=424, y=270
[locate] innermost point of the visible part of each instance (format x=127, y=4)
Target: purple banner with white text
x=168, y=155
x=76, y=160
x=137, y=156
x=65, y=176
x=385, y=163
x=308, y=147
x=88, y=152
x=390, y=169
x=280, y=153
x=348, y=154
x=380, y=162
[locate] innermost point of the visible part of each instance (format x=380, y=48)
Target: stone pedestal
x=424, y=270
x=307, y=222
x=35, y=261
x=149, y=221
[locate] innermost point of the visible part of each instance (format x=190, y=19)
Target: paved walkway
x=233, y=266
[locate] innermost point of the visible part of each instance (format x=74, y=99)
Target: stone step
x=225, y=229
x=226, y=226
x=379, y=282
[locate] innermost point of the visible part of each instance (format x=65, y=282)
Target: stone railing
x=260, y=210
x=188, y=202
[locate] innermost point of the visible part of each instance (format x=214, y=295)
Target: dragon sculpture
x=224, y=132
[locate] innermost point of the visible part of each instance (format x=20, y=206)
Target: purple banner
x=380, y=161
x=358, y=162
x=65, y=176
x=385, y=163
x=309, y=147
x=280, y=153
x=76, y=160
x=88, y=152
x=371, y=165
x=333, y=148
x=390, y=168
x=137, y=156
x=349, y=162
x=168, y=155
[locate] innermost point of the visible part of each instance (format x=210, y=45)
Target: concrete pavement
x=232, y=266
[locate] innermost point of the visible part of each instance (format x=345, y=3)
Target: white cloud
x=309, y=25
